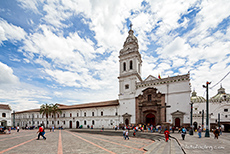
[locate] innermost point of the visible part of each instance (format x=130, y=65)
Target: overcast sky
x=66, y=51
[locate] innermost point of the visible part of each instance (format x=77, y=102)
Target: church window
x=85, y=122
x=101, y=113
x=77, y=115
x=3, y=114
x=70, y=115
x=149, y=98
x=124, y=66
x=126, y=86
x=52, y=122
x=92, y=113
x=92, y=122
x=116, y=114
x=64, y=122
x=225, y=110
x=85, y=114
x=131, y=65
x=58, y=122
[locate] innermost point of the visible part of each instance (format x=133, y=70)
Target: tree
x=55, y=110
x=45, y=110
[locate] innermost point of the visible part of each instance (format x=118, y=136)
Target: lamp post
x=191, y=130
x=202, y=120
x=207, y=110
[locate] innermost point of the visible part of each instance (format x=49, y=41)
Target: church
x=150, y=101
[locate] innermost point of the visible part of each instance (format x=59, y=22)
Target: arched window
x=3, y=114
x=149, y=97
x=131, y=65
x=70, y=114
x=92, y=122
x=124, y=66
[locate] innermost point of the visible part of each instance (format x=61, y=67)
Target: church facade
x=151, y=101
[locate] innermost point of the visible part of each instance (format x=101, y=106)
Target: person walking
x=17, y=128
x=216, y=133
x=166, y=135
x=199, y=132
x=183, y=132
x=41, y=133
x=126, y=134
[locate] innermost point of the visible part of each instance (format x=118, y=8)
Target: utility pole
x=202, y=120
x=207, y=110
x=191, y=130
x=218, y=119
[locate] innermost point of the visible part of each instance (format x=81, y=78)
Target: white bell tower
x=130, y=73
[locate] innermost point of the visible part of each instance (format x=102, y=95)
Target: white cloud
x=10, y=32
x=6, y=75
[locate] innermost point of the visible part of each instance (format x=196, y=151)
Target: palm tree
x=45, y=110
x=55, y=110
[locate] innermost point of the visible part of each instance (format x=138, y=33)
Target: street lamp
x=191, y=130
x=207, y=110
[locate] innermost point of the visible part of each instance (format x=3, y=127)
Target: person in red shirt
x=166, y=135
x=40, y=131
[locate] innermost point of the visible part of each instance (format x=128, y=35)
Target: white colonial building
x=5, y=115
x=150, y=101
x=218, y=105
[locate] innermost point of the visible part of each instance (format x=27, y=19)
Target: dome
x=221, y=96
x=197, y=99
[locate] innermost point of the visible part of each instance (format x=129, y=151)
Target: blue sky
x=56, y=51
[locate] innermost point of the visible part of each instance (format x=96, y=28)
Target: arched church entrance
x=150, y=119
x=77, y=124
x=127, y=122
x=195, y=125
x=70, y=124
x=177, y=122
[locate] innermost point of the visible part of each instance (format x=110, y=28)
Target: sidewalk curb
x=179, y=144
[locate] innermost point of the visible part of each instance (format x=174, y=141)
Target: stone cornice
x=179, y=78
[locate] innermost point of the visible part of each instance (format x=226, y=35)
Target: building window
x=64, y=115
x=58, y=115
x=37, y=122
x=225, y=110
x=226, y=116
x=47, y=122
x=52, y=122
x=58, y=122
x=64, y=122
x=115, y=113
x=101, y=113
x=126, y=86
x=70, y=115
x=131, y=65
x=149, y=98
x=92, y=113
x=85, y=114
x=85, y=122
x=92, y=122
x=196, y=108
x=3, y=114
x=33, y=122
x=77, y=115
x=124, y=66
x=37, y=116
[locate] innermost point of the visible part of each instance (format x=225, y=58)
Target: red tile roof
x=79, y=106
x=4, y=106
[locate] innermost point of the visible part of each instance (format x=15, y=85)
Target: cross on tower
x=130, y=26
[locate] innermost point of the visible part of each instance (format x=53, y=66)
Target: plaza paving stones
x=86, y=141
